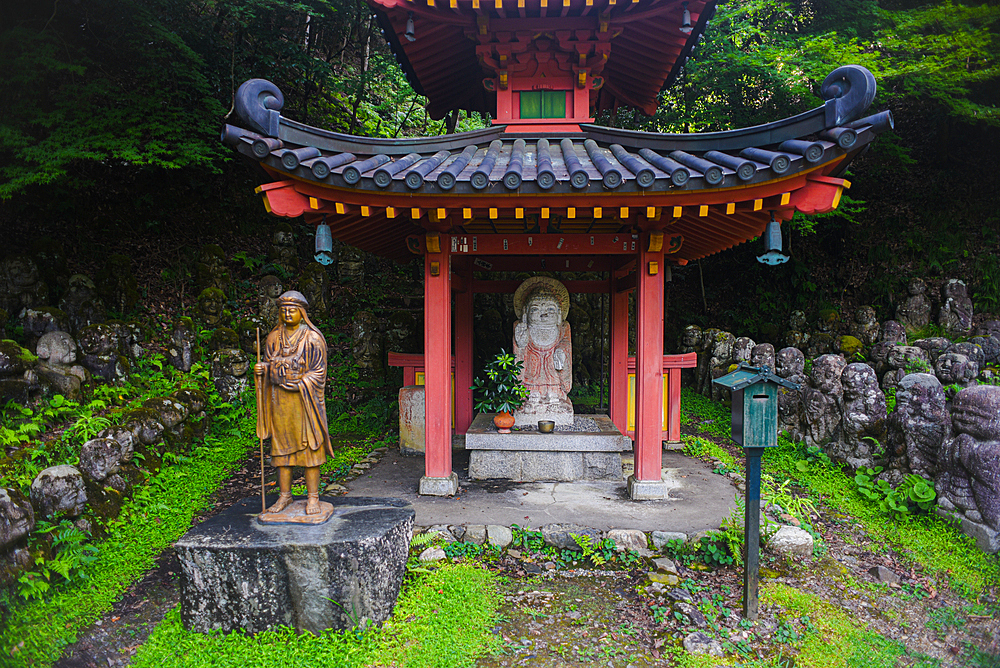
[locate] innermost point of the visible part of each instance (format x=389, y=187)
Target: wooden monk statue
x=291, y=409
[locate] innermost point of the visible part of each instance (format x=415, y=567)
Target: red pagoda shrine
x=545, y=189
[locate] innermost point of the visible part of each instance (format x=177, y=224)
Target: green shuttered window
x=543, y=104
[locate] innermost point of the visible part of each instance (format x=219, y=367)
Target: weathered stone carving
x=228, y=371
x=17, y=517
x=742, y=347
x=367, y=345
x=59, y=490
x=223, y=337
x=717, y=357
x=180, y=352
x=762, y=355
x=20, y=284
x=902, y=360
x=864, y=416
x=920, y=424
x=893, y=334
x=956, y=308
x=38, y=321
x=56, y=354
x=822, y=401
x=915, y=312
x=956, y=369
x=270, y=289
x=82, y=304
x=16, y=374
x=968, y=484
x=542, y=342
x=314, y=284
x=865, y=327
x=283, y=251
x=797, y=336
x=934, y=346
x=691, y=342
x=116, y=284
x=990, y=345
x=101, y=355
x=211, y=308
x=351, y=266
x=790, y=363
x=211, y=268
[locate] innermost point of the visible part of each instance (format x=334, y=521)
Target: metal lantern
x=324, y=244
x=772, y=244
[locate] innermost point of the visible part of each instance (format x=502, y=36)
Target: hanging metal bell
x=324, y=244
x=772, y=245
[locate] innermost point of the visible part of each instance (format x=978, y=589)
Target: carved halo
x=550, y=285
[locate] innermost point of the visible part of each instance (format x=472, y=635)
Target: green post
x=751, y=534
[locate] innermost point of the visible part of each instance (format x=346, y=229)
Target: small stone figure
x=222, y=338
x=38, y=321
x=956, y=369
x=915, y=312
x=16, y=375
x=789, y=363
x=21, y=285
x=211, y=268
x=367, y=345
x=691, y=342
x=101, y=355
x=542, y=342
x=893, y=334
x=970, y=350
x=828, y=321
x=247, y=332
x=228, y=371
x=270, y=289
x=742, y=347
x=401, y=335
x=796, y=336
x=865, y=326
x=902, y=360
x=283, y=251
x=820, y=343
x=969, y=480
x=82, y=304
x=50, y=258
x=762, y=356
x=934, y=346
x=291, y=408
x=822, y=402
x=956, y=308
x=920, y=424
x=315, y=285
x=989, y=328
x=864, y=416
x=990, y=345
x=180, y=352
x=717, y=357
x=847, y=345
x=211, y=307
x=116, y=284
x=351, y=266
x=56, y=354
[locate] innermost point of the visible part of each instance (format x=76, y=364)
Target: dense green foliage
x=442, y=619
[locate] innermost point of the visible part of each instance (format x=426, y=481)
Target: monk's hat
x=293, y=297
x=541, y=284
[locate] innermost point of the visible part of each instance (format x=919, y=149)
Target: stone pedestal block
x=411, y=420
x=239, y=574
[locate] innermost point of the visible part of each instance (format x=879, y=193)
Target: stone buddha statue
x=542, y=343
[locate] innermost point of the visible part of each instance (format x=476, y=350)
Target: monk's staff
x=263, y=504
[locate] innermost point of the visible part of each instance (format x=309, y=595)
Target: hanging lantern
x=324, y=243
x=410, y=33
x=772, y=244
x=686, y=26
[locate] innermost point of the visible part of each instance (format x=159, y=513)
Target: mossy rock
x=848, y=345
x=829, y=316
x=223, y=337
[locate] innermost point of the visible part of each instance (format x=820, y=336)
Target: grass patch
x=838, y=641
x=442, y=619
x=35, y=633
x=930, y=541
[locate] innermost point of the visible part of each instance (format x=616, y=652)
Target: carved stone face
x=976, y=411
x=789, y=362
x=762, y=355
x=858, y=379
x=742, y=348
x=57, y=348
x=954, y=289
x=920, y=397
x=367, y=346
x=797, y=321
x=21, y=271
x=271, y=287
x=542, y=311
x=692, y=336
x=865, y=315
x=210, y=305
x=283, y=238
x=916, y=286
x=826, y=373
x=955, y=368
x=893, y=332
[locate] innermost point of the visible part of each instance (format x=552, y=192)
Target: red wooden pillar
x=463, y=353
x=674, y=405
x=647, y=481
x=439, y=479
x=618, y=372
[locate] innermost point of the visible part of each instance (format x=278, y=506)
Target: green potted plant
x=502, y=391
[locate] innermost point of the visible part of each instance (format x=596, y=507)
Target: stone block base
x=239, y=574
x=439, y=486
x=532, y=465
x=646, y=490
x=986, y=538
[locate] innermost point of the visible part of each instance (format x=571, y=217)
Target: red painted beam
x=508, y=287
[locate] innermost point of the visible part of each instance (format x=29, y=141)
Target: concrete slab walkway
x=698, y=499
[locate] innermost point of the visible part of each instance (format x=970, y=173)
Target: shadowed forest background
x=111, y=111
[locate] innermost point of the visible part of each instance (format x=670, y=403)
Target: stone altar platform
x=240, y=574
x=589, y=449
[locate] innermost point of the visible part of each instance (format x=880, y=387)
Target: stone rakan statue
x=542, y=343
x=291, y=409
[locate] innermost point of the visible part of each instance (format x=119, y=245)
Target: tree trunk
x=364, y=78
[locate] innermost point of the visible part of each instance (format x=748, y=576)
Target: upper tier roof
x=647, y=47
x=719, y=187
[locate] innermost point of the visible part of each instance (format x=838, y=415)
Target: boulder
x=791, y=541
x=17, y=517
x=498, y=535
x=660, y=538
x=100, y=458
x=59, y=490
x=630, y=539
